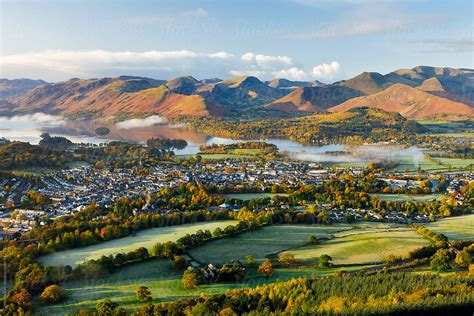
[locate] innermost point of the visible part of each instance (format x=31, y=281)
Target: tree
x=266, y=268
x=286, y=258
x=106, y=307
x=143, y=294
x=440, y=261
x=190, y=279
x=463, y=259
x=52, y=294
x=325, y=261
x=251, y=261
x=179, y=263
x=21, y=298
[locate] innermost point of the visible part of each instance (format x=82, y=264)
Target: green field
x=244, y=151
x=165, y=283
x=145, y=238
x=268, y=240
x=249, y=196
x=436, y=165
x=363, y=248
x=457, y=228
x=274, y=239
x=409, y=197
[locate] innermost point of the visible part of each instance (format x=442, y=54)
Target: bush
x=52, y=294
x=287, y=259
x=463, y=259
x=190, y=279
x=251, y=261
x=440, y=261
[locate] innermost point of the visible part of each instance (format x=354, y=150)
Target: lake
x=28, y=128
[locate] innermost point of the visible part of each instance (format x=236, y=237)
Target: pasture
x=145, y=238
x=363, y=248
x=271, y=240
x=456, y=228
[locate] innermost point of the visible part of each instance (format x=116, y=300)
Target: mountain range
x=418, y=93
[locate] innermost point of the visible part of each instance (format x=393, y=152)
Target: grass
x=163, y=282
x=268, y=240
x=456, y=228
x=434, y=165
x=145, y=238
x=363, y=248
x=353, y=247
x=409, y=197
x=273, y=239
x=249, y=196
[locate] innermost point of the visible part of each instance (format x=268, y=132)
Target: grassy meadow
x=145, y=238
x=363, y=248
x=456, y=228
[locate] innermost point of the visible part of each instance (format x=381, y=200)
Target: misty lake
x=28, y=128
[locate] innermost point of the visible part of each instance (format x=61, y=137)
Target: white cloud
x=198, y=13
x=292, y=73
x=146, y=122
x=326, y=71
x=56, y=65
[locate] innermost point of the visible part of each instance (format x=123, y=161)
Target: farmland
x=364, y=247
x=146, y=238
x=457, y=228
x=277, y=238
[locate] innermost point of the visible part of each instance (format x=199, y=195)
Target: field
x=435, y=165
x=272, y=240
x=249, y=196
x=165, y=283
x=457, y=228
x=145, y=238
x=409, y=197
x=363, y=248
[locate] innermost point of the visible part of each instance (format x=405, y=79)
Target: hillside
x=16, y=87
x=409, y=102
x=281, y=83
x=111, y=96
x=313, y=99
x=239, y=93
x=419, y=92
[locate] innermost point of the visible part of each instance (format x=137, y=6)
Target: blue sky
x=298, y=39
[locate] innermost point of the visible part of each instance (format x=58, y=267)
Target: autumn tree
x=286, y=258
x=190, y=279
x=266, y=268
x=143, y=294
x=463, y=259
x=106, y=307
x=52, y=294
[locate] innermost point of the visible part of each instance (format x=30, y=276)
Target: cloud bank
x=56, y=65
x=146, y=122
